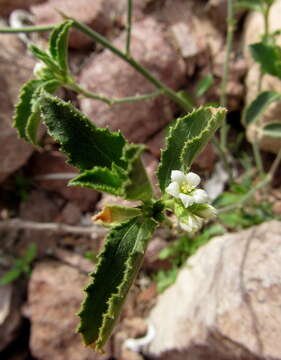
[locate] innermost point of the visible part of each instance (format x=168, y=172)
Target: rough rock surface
x=38, y=207
x=7, y=6
x=16, y=68
x=54, y=297
x=225, y=303
x=252, y=33
x=10, y=316
x=98, y=14
x=109, y=75
x=50, y=164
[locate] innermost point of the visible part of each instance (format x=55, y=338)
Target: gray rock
x=225, y=303
x=109, y=75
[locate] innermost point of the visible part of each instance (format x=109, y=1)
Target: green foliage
x=254, y=5
x=242, y=217
x=273, y=130
x=58, y=44
x=107, y=161
x=204, y=85
x=21, y=266
x=117, y=267
x=179, y=251
x=187, y=137
x=268, y=56
x=26, y=117
x=259, y=105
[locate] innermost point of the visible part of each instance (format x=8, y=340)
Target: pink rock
x=54, y=297
x=48, y=164
x=96, y=14
x=16, y=68
x=109, y=75
x=7, y=6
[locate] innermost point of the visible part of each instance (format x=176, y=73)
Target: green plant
x=21, y=266
x=109, y=163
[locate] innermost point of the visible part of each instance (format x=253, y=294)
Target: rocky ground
x=225, y=304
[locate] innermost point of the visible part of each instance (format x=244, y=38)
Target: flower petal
x=209, y=212
x=195, y=222
x=200, y=196
x=173, y=189
x=186, y=200
x=192, y=225
x=185, y=227
x=178, y=176
x=193, y=179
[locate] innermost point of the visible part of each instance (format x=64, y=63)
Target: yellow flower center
x=186, y=188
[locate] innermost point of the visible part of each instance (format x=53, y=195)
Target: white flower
x=183, y=187
x=192, y=225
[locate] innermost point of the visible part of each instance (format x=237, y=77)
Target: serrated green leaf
x=204, y=85
x=137, y=186
x=108, y=163
x=130, y=183
x=85, y=145
x=273, y=130
x=102, y=179
x=268, y=56
x=33, y=120
x=117, y=268
x=58, y=43
x=186, y=139
x=259, y=105
x=62, y=45
x=23, y=109
x=45, y=58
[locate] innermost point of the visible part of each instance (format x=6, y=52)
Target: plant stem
x=223, y=156
x=27, y=29
x=111, y=101
x=229, y=41
x=103, y=41
x=129, y=27
x=257, y=155
x=275, y=164
x=255, y=145
x=136, y=65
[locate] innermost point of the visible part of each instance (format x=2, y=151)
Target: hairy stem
x=129, y=27
x=26, y=29
x=111, y=101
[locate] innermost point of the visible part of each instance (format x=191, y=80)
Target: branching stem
x=111, y=101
